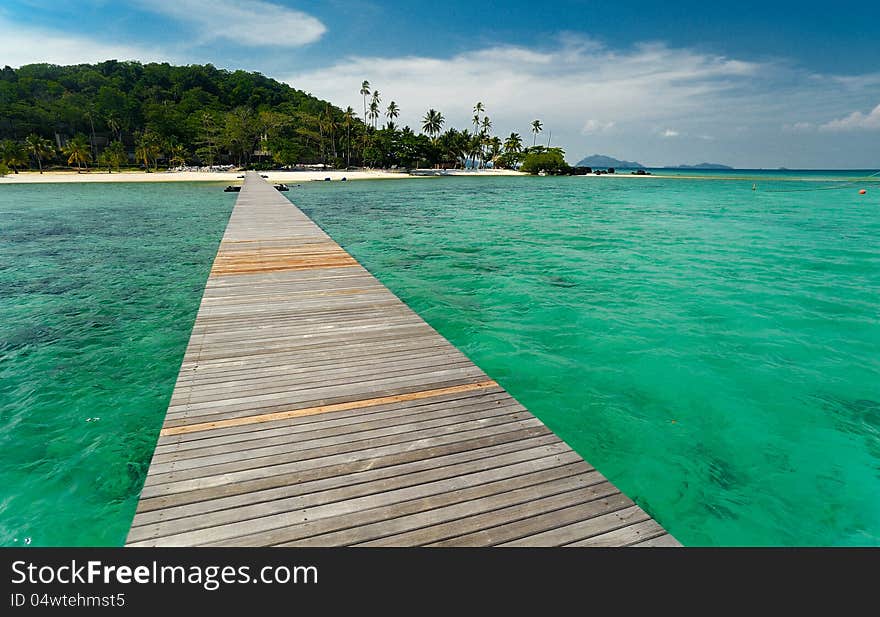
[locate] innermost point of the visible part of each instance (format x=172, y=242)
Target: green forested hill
x=114, y=114
x=201, y=113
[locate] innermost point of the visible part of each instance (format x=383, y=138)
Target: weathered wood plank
x=334, y=479
x=340, y=466
x=666, y=540
x=348, y=492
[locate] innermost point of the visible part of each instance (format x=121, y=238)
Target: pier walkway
x=314, y=408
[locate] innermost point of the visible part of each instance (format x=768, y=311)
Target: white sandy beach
x=231, y=177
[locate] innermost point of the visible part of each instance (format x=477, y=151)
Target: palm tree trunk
x=40, y=165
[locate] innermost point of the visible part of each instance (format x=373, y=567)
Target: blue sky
x=751, y=84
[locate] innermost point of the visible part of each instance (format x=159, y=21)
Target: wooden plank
x=451, y=521
x=343, y=466
x=539, y=522
x=625, y=536
x=593, y=526
x=314, y=408
x=166, y=484
x=286, y=438
x=350, y=491
x=280, y=446
x=152, y=513
x=666, y=540
x=310, y=411
x=293, y=535
x=283, y=518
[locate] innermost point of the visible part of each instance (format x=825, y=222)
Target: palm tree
x=327, y=126
x=373, y=114
x=142, y=155
x=495, y=149
x=537, y=127
x=392, y=112
x=177, y=154
x=147, y=150
x=114, y=156
x=347, y=120
x=478, y=109
x=432, y=123
x=39, y=148
x=513, y=144
x=79, y=152
x=374, y=106
x=486, y=125
x=462, y=146
x=365, y=92
x=114, y=125
x=477, y=148
x=12, y=155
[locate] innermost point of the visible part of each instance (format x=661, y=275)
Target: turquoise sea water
x=99, y=286
x=711, y=349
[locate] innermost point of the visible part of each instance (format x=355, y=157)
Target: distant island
x=699, y=166
x=601, y=160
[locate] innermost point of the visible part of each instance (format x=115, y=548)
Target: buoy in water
x=862, y=192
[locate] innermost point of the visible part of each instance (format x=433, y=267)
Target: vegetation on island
x=150, y=116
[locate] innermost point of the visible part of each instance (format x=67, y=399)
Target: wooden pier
x=314, y=408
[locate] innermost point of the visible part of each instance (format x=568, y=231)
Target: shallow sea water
x=99, y=287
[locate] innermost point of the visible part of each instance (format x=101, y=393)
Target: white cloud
x=252, y=23
x=592, y=127
x=854, y=121
x=631, y=91
x=25, y=45
x=621, y=101
x=798, y=127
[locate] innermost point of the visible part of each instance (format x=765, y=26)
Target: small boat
x=344, y=179
x=262, y=176
x=282, y=187
x=326, y=179
x=232, y=189
x=542, y=173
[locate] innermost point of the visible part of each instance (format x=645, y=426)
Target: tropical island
x=716, y=166
x=602, y=160
x=127, y=115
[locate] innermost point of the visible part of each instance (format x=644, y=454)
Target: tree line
x=121, y=114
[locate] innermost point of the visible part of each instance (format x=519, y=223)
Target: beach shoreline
x=232, y=177
x=286, y=177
